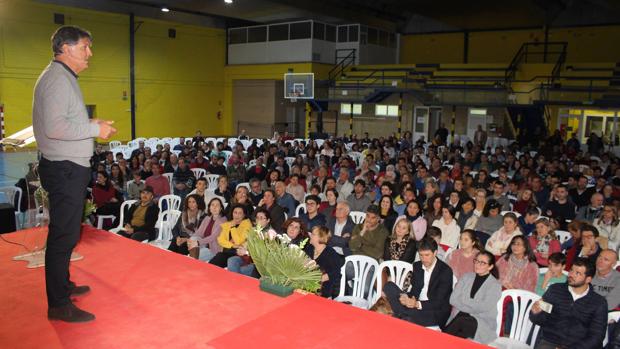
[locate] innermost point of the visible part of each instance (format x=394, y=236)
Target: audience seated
x=312, y=217
x=105, y=197
x=276, y=213
x=284, y=199
x=489, y=222
x=554, y=274
x=450, y=230
x=140, y=219
x=368, y=238
x=232, y=237
x=205, y=237
x=191, y=217
x=499, y=241
x=341, y=225
x=461, y=260
x=328, y=205
x=183, y=179
x=474, y=300
x=427, y=303
x=401, y=244
x=586, y=247
x=517, y=267
x=413, y=213
x=606, y=281
x=608, y=226
x=544, y=242
x=159, y=183
x=135, y=186
x=578, y=317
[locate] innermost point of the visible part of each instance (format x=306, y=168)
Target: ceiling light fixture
x=228, y=1
x=165, y=9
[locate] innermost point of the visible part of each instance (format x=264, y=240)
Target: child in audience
x=554, y=274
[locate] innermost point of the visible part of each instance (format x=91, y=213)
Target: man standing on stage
x=64, y=136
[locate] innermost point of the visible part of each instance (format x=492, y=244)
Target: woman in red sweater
x=105, y=197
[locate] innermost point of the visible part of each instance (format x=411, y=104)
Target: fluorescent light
x=165, y=9
x=228, y=1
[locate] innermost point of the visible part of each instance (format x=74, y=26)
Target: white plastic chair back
x=168, y=220
x=545, y=270
x=227, y=154
x=246, y=143
x=521, y=326
x=398, y=271
x=173, y=202
x=114, y=144
x=244, y=184
x=212, y=181
x=12, y=193
x=515, y=213
x=365, y=273
x=251, y=163
x=169, y=177
x=289, y=160
x=357, y=217
x=199, y=172
x=124, y=206
x=563, y=236
x=299, y=208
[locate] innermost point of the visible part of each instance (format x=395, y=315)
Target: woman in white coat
x=474, y=301
x=450, y=230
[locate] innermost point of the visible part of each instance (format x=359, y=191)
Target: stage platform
x=145, y=297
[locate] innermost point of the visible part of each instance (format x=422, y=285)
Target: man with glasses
x=256, y=192
x=571, y=315
x=586, y=247
x=312, y=218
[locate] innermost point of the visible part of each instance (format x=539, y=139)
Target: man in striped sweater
x=572, y=315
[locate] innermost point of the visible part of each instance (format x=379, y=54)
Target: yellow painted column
x=308, y=113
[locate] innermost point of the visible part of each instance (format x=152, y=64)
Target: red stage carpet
x=145, y=297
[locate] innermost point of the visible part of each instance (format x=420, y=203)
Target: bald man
x=606, y=281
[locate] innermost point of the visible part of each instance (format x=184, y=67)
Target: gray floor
x=14, y=165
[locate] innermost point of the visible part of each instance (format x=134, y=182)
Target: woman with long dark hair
x=474, y=301
x=190, y=220
x=517, y=267
x=205, y=237
x=461, y=260
x=388, y=214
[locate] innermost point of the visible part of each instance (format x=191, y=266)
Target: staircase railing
x=344, y=59
x=538, y=52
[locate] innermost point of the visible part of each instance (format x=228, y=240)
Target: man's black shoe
x=69, y=313
x=80, y=290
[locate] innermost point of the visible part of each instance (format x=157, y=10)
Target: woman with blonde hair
x=481, y=200
x=608, y=226
x=543, y=242
x=401, y=245
x=525, y=200
x=329, y=261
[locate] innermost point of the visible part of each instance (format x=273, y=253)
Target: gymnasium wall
x=179, y=82
x=585, y=44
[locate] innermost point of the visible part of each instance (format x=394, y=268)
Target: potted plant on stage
x=283, y=266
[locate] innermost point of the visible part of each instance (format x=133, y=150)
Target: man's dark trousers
x=65, y=182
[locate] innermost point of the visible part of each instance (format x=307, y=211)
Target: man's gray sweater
x=59, y=118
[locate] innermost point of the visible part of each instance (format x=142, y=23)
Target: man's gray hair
x=68, y=34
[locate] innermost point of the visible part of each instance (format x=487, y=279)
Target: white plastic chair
x=114, y=144
x=169, y=220
x=398, y=271
x=299, y=209
x=612, y=317
x=515, y=213
x=251, y=163
x=365, y=272
x=212, y=180
x=169, y=177
x=563, y=236
x=521, y=326
x=545, y=270
x=357, y=217
x=199, y=172
x=11, y=193
x=124, y=205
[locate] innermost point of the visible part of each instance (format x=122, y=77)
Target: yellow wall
x=585, y=44
x=432, y=48
x=178, y=81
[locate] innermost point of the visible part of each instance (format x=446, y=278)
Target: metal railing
x=344, y=58
x=537, y=52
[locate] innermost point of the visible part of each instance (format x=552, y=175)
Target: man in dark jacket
x=276, y=212
x=341, y=227
x=578, y=315
x=140, y=220
x=428, y=302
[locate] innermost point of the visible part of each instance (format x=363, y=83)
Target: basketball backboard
x=299, y=86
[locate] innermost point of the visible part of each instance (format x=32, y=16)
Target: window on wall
x=386, y=110
x=301, y=30
x=257, y=34
x=330, y=33
x=345, y=108
x=319, y=31
x=353, y=33
x=342, y=33
x=238, y=36
x=278, y=32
